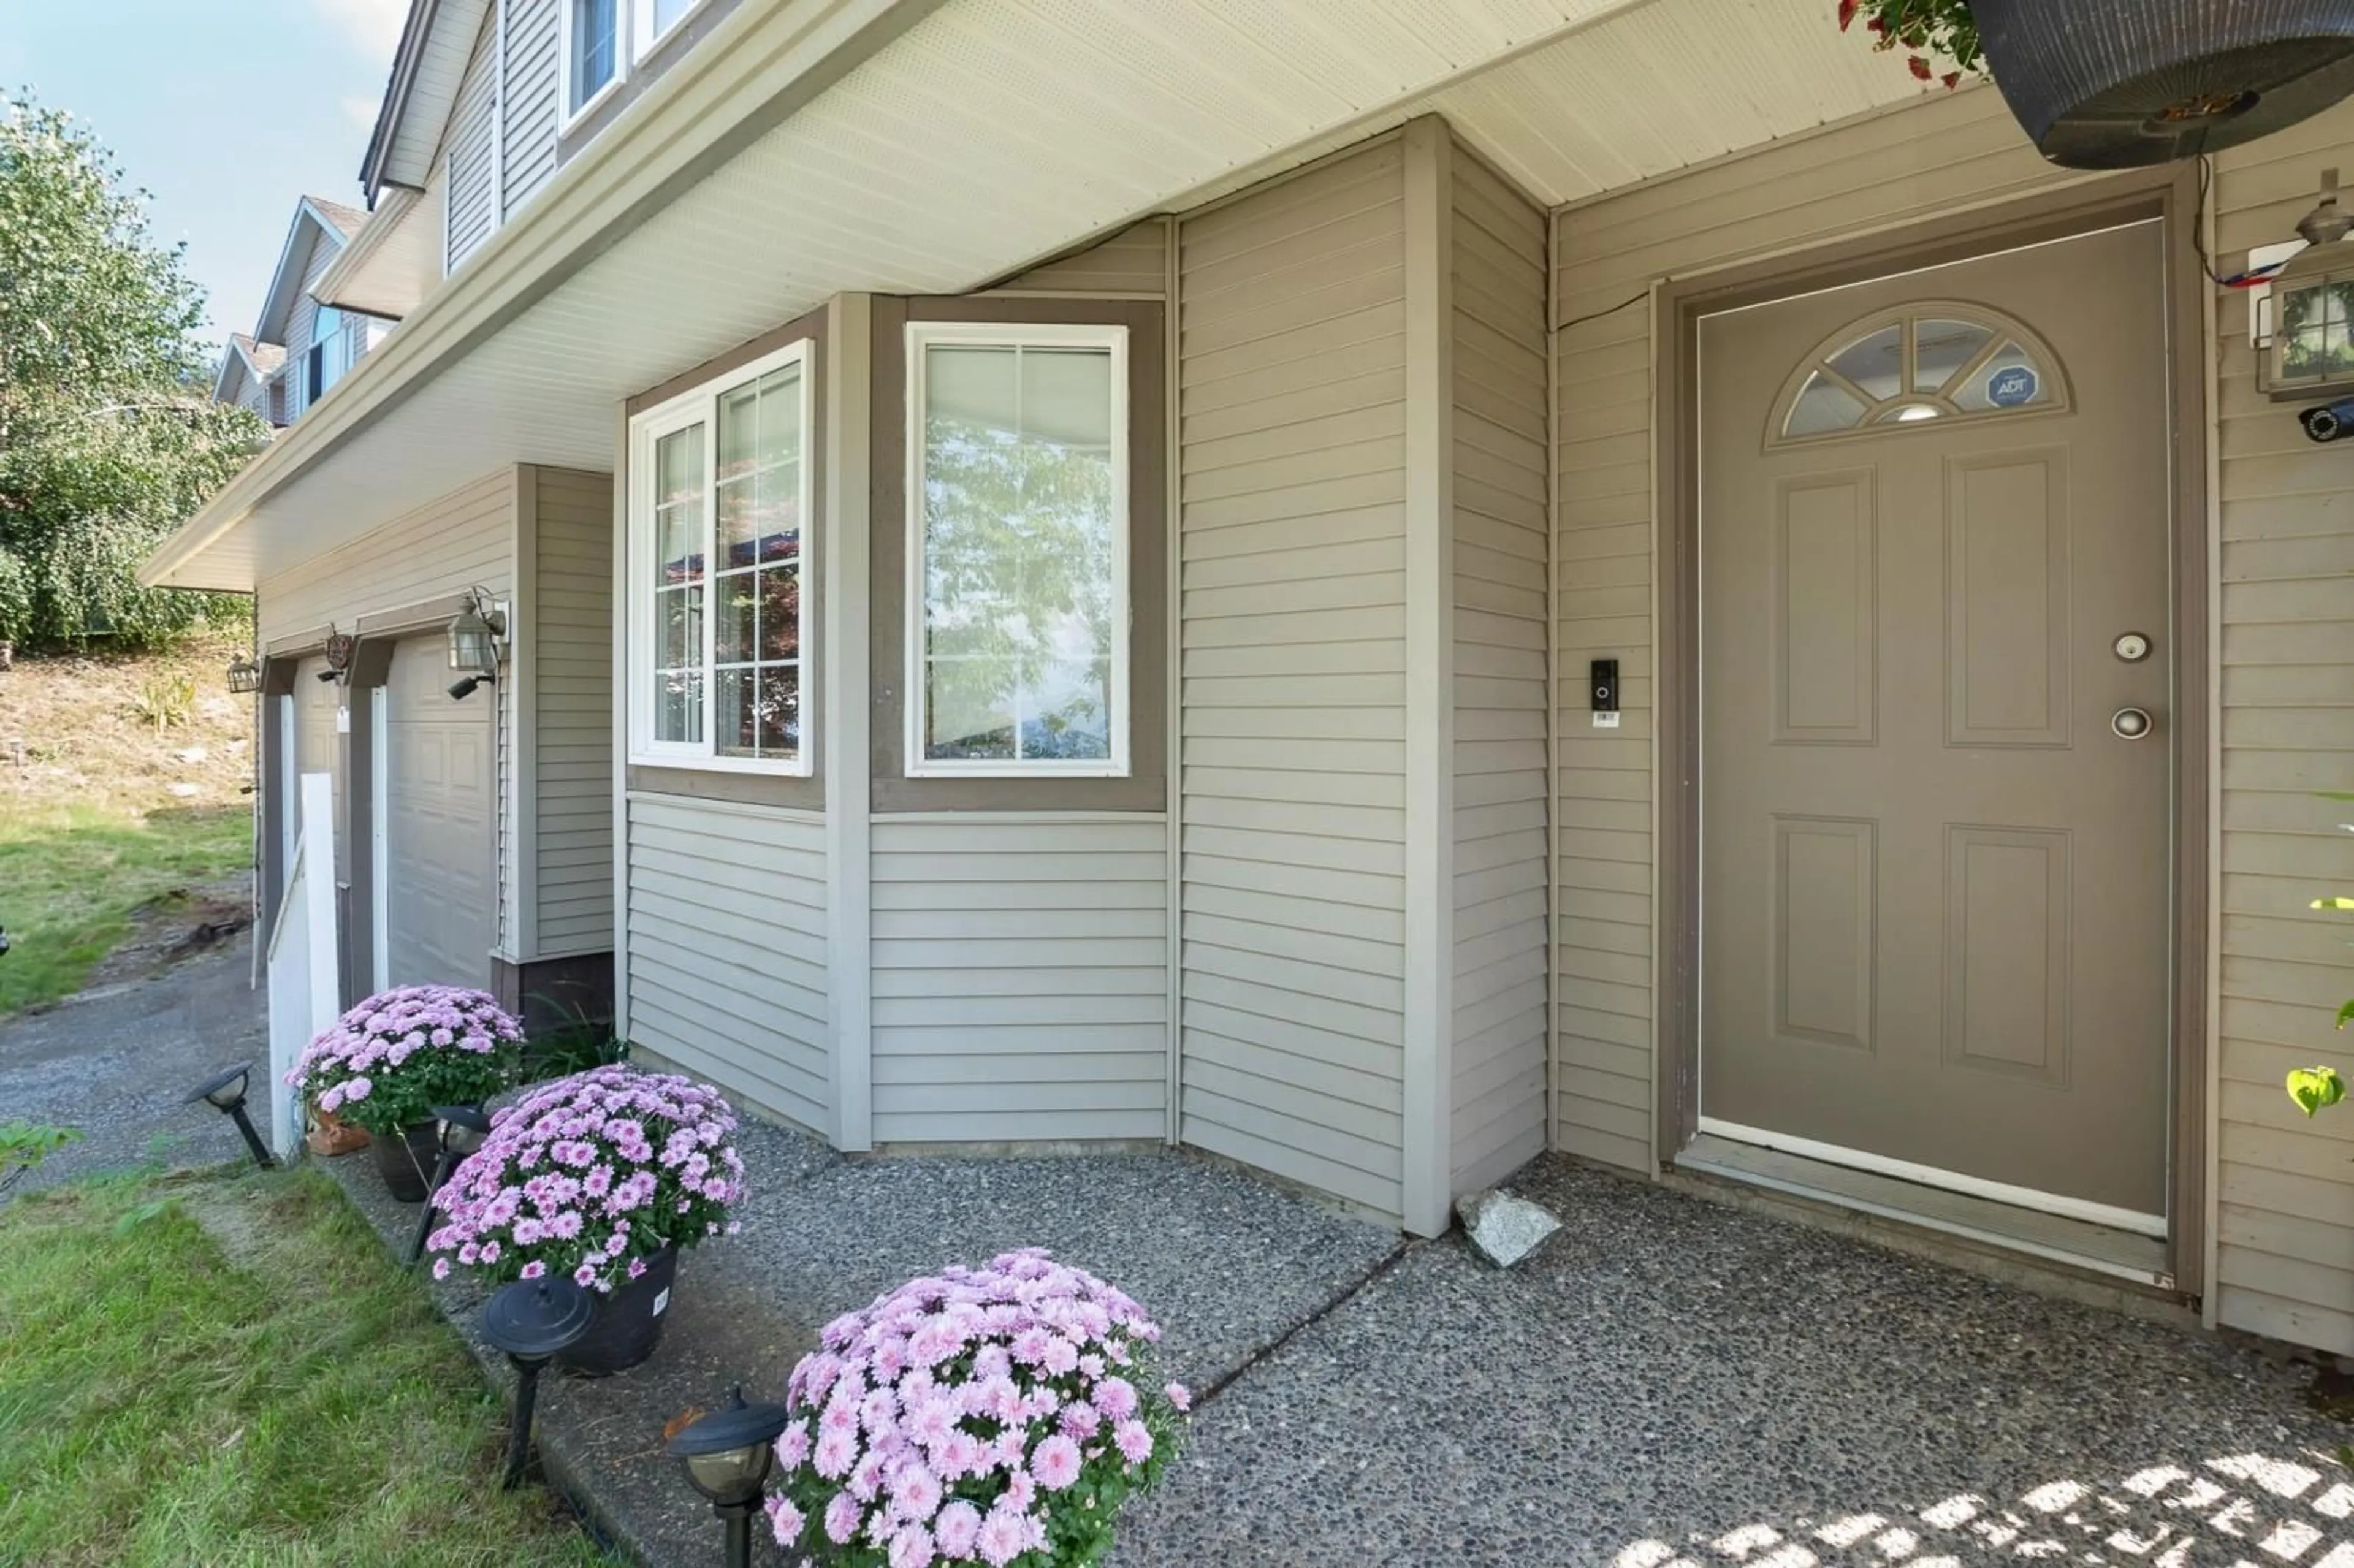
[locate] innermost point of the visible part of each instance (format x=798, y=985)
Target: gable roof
x=259, y=361
x=421, y=94
x=336, y=223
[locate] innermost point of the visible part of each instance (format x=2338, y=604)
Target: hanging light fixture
x=475, y=638
x=727, y=1454
x=2310, y=350
x=244, y=675
x=225, y=1092
x=531, y=1320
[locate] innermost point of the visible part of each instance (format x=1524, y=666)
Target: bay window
x=718, y=518
x=1017, y=549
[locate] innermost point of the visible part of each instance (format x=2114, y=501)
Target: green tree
x=109, y=436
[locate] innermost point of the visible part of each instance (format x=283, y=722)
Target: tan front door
x=1935, y=889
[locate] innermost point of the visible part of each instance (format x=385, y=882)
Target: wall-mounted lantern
x=244, y=675
x=2307, y=343
x=476, y=639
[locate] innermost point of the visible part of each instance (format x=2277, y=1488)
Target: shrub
x=999, y=1415
x=590, y=1176
x=386, y=1064
x=15, y=598
x=167, y=700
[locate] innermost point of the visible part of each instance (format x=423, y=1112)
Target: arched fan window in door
x=1937, y=360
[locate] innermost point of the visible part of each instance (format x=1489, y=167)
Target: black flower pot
x=629, y=1321
x=2114, y=84
x=406, y=1158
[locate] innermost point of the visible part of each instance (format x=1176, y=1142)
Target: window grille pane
x=592, y=49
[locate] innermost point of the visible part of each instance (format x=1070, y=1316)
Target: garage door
x=442, y=899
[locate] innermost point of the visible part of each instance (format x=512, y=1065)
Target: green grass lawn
x=263, y=1387
x=71, y=875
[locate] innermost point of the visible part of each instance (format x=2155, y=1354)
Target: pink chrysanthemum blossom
x=946, y=1422
x=956, y=1530
x=785, y=1520
x=1180, y=1398
x=516, y=1201
x=384, y=1064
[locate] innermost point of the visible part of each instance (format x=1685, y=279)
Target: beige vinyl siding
x=471, y=155
x=531, y=108
x=2286, y=1201
x=465, y=539
x=1950, y=150
x=727, y=947
x=572, y=623
x=1292, y=539
x=1021, y=978
x=1498, y=1092
x=1134, y=262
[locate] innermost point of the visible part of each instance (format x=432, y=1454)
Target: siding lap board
x=1292, y=547
x=1498, y=1094
x=726, y=949
x=1021, y=979
x=573, y=622
x=531, y=103
x=471, y=148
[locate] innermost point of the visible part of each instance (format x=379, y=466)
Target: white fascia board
x=760, y=65
x=345, y=283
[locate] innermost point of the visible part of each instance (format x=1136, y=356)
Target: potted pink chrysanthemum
x=997, y=1416
x=600, y=1177
x=384, y=1066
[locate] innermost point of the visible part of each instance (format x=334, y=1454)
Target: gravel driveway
x=115, y=1063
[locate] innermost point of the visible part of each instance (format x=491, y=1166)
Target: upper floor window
x=1934, y=360
x=323, y=362
x=592, y=52
x=594, y=59
x=1017, y=549
x=720, y=497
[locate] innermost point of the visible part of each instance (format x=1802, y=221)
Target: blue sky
x=226, y=110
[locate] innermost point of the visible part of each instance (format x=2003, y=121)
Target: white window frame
x=922, y=335
x=643, y=40
x=700, y=405
x=565, y=116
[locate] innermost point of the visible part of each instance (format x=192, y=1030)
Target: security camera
x=326, y=675
x=460, y=690
x=2329, y=421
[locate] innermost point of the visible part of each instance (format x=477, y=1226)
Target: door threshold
x=2056, y=1238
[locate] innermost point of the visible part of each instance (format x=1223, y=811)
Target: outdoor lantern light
x=531, y=1320
x=727, y=1454
x=2309, y=342
x=225, y=1092
x=463, y=1130
x=475, y=639
x=244, y=674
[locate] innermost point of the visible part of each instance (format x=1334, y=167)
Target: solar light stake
x=225, y=1092
x=727, y=1454
x=531, y=1320
x=463, y=1129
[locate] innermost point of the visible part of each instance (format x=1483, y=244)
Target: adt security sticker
x=2013, y=386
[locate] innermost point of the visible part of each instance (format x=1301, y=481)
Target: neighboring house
x=302, y=345
x=1064, y=566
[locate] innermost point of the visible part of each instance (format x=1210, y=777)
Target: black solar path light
x=531, y=1320
x=463, y=1130
x=727, y=1454
x=225, y=1092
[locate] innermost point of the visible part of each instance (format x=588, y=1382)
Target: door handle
x=2131, y=724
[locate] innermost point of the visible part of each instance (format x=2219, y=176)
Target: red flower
x=1879, y=24
x=1953, y=79
x=1847, y=13
x=1920, y=68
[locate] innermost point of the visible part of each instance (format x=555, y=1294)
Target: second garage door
x=442, y=899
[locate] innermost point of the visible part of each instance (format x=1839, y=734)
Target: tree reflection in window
x=1020, y=562
x=1923, y=363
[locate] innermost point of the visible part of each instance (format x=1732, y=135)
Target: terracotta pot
x=331, y=1134
x=405, y=1159
x=2116, y=84
x=629, y=1321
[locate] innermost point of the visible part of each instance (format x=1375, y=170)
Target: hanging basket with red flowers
x=1939, y=31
